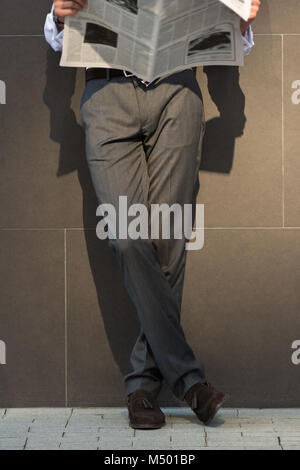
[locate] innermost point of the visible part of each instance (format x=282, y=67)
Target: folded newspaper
x=151, y=38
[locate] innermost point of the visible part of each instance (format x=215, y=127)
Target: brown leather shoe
x=144, y=412
x=205, y=401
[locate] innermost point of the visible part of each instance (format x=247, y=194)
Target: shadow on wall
x=118, y=312
x=225, y=91
x=222, y=131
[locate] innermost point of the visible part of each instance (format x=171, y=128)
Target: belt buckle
x=128, y=74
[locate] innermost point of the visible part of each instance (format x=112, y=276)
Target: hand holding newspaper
x=151, y=38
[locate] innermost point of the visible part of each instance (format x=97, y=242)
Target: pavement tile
x=222, y=430
x=119, y=433
x=87, y=420
x=281, y=412
x=164, y=430
x=105, y=421
x=187, y=447
x=249, y=440
x=46, y=444
x=51, y=420
x=108, y=424
x=184, y=419
x=11, y=431
x=286, y=421
x=91, y=441
x=261, y=448
x=259, y=421
x=37, y=429
x=291, y=447
x=20, y=421
x=109, y=446
x=196, y=441
x=78, y=446
x=43, y=447
x=293, y=440
x=79, y=442
x=148, y=448
x=83, y=430
x=98, y=411
x=259, y=434
x=287, y=433
x=224, y=441
x=151, y=439
x=287, y=429
x=35, y=412
x=190, y=425
x=12, y=444
x=258, y=427
x=225, y=447
x=115, y=442
x=79, y=437
x=187, y=432
x=218, y=435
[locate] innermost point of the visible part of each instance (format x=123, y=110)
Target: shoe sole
x=147, y=426
x=219, y=405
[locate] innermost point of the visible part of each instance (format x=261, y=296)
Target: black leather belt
x=91, y=74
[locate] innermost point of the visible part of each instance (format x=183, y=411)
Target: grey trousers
x=145, y=143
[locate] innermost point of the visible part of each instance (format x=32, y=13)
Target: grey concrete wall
x=66, y=323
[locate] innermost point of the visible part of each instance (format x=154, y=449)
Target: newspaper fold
x=151, y=38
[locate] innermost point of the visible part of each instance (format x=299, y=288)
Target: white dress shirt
x=55, y=38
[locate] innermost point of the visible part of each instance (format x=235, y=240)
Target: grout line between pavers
x=67, y=423
x=25, y=444
x=66, y=318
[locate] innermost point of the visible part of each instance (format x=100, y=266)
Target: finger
x=81, y=3
x=68, y=12
x=254, y=13
x=71, y=5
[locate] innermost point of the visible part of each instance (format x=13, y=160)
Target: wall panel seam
x=282, y=131
x=66, y=318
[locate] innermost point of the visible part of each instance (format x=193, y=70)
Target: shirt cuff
x=53, y=37
x=248, y=41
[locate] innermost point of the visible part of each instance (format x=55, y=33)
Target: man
x=143, y=141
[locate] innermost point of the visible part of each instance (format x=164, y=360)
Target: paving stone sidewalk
x=107, y=429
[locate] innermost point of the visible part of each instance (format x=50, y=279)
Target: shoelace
x=145, y=402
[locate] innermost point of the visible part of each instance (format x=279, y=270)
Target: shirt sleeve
x=53, y=37
x=248, y=42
